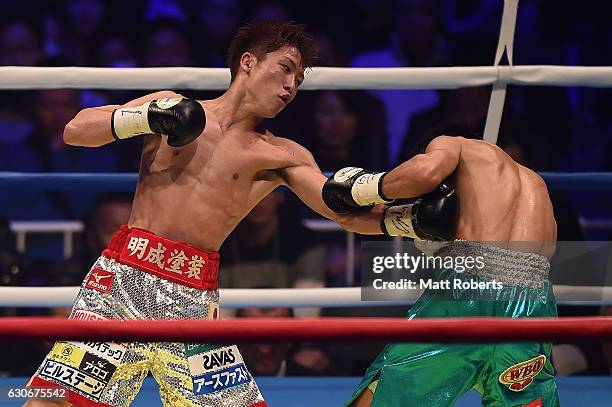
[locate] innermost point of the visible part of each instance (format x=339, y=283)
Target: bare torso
x=502, y=201
x=199, y=192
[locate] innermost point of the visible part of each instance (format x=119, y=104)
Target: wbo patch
x=100, y=280
x=215, y=369
x=521, y=375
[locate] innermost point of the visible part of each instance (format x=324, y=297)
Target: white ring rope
x=318, y=78
x=33, y=297
x=505, y=45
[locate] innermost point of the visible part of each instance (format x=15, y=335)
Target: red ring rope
x=446, y=330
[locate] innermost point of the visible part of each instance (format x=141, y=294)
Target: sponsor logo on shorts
x=521, y=375
x=100, y=280
x=213, y=360
x=85, y=315
x=109, y=351
x=71, y=377
x=216, y=369
x=97, y=367
x=67, y=353
x=221, y=379
x=172, y=260
x=192, y=349
x=535, y=403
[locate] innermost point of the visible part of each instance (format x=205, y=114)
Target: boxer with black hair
x=505, y=217
x=204, y=166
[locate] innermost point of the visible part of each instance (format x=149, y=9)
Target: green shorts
x=508, y=374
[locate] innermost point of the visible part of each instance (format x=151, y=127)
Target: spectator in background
x=167, y=44
x=284, y=359
x=20, y=45
x=13, y=264
x=17, y=358
x=417, y=41
x=217, y=20
x=257, y=252
x=516, y=145
x=265, y=359
x=374, y=21
x=477, y=16
x=45, y=151
x=108, y=213
x=329, y=52
x=159, y=9
x=459, y=111
x=347, y=129
x=114, y=50
x=85, y=21
x=589, y=150
x=267, y=248
x=270, y=10
x=117, y=50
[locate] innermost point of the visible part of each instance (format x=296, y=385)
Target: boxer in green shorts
x=501, y=204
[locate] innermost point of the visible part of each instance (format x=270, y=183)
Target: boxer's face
x=274, y=80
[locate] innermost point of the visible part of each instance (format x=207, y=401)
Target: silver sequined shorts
x=110, y=374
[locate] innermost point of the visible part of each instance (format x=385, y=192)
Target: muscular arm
x=306, y=181
x=91, y=127
x=424, y=172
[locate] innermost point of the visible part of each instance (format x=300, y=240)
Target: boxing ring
x=323, y=391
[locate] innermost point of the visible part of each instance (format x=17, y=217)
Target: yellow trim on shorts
x=372, y=386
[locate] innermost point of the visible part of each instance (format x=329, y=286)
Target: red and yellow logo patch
x=519, y=376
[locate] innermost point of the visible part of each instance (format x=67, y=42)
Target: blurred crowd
x=546, y=129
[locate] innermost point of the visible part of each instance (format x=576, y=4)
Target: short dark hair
x=263, y=38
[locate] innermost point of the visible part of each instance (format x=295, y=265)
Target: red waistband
x=165, y=258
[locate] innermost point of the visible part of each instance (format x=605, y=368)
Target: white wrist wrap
x=131, y=121
x=398, y=221
x=365, y=190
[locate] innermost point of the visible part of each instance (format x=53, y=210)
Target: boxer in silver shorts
x=184, y=282
x=204, y=166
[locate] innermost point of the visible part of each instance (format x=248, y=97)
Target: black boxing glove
x=432, y=217
x=351, y=188
x=182, y=120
